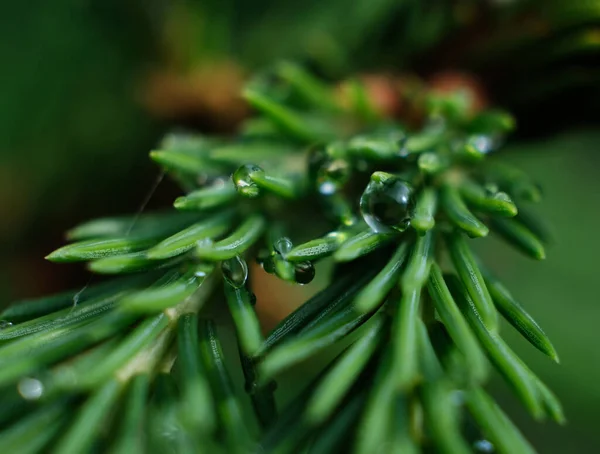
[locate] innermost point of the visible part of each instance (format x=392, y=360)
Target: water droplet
x=430, y=163
x=30, y=388
x=340, y=235
x=483, y=446
x=269, y=265
x=458, y=397
x=332, y=176
x=482, y=144
x=502, y=197
x=218, y=182
x=252, y=299
x=317, y=156
x=262, y=255
x=304, y=272
x=242, y=178
x=5, y=324
x=203, y=270
x=328, y=171
x=387, y=142
x=204, y=243
x=283, y=245
x=491, y=189
x=387, y=203
x=235, y=271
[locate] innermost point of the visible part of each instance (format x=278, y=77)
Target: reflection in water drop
x=30, y=388
x=5, y=324
x=242, y=178
x=235, y=271
x=387, y=203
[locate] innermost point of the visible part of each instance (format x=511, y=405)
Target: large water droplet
x=30, y=388
x=5, y=324
x=242, y=178
x=235, y=271
x=483, y=446
x=387, y=203
x=304, y=272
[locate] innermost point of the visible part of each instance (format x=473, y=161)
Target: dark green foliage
x=414, y=328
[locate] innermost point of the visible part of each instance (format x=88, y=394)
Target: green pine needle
x=136, y=364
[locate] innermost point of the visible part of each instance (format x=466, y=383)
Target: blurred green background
x=88, y=88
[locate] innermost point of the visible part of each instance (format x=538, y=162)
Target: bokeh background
x=87, y=88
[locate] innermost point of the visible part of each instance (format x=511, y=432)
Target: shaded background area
x=88, y=88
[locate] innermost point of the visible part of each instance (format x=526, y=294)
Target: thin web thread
x=139, y=211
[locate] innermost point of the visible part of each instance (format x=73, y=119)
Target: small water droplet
x=269, y=265
x=317, y=156
x=482, y=144
x=5, y=324
x=430, y=162
x=283, y=245
x=262, y=256
x=339, y=235
x=204, y=243
x=252, y=299
x=458, y=397
x=483, y=446
x=203, y=270
x=265, y=259
x=502, y=197
x=327, y=188
x=491, y=189
x=362, y=165
x=332, y=176
x=30, y=388
x=328, y=171
x=218, y=182
x=242, y=178
x=387, y=203
x=235, y=271
x=304, y=272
